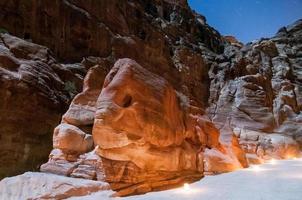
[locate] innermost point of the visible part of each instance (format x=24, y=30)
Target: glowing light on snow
x=186, y=187
x=256, y=168
x=189, y=190
x=273, y=161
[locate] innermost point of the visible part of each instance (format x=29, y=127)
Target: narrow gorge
x=137, y=96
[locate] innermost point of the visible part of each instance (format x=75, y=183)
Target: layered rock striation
x=165, y=37
x=256, y=89
x=34, y=92
x=159, y=98
x=138, y=134
x=34, y=185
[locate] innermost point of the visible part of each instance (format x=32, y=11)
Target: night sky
x=248, y=20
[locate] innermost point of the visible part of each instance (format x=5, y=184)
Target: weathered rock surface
x=166, y=37
x=34, y=92
x=33, y=185
x=143, y=128
x=190, y=106
x=71, y=139
x=256, y=91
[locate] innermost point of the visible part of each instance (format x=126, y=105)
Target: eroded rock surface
x=33, y=185
x=34, y=92
x=146, y=135
x=256, y=90
x=194, y=102
x=166, y=37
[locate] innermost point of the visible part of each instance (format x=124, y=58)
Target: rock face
x=141, y=126
x=166, y=37
x=185, y=103
x=33, y=95
x=257, y=90
x=48, y=186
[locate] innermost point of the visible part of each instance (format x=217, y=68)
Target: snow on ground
x=279, y=181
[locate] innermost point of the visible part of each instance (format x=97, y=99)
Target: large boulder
x=268, y=145
x=33, y=185
x=149, y=132
x=71, y=139
x=254, y=88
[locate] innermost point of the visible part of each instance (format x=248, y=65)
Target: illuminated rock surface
x=151, y=32
x=281, y=181
x=257, y=91
x=146, y=136
x=186, y=103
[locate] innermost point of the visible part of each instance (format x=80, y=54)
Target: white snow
x=279, y=180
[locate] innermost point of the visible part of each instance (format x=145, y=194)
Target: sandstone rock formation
x=186, y=103
x=166, y=37
x=143, y=128
x=256, y=90
x=48, y=186
x=34, y=93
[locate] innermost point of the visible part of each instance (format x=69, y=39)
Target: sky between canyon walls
x=248, y=20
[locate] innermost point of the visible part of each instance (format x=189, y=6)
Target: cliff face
x=35, y=90
x=165, y=37
x=185, y=103
x=257, y=90
x=138, y=134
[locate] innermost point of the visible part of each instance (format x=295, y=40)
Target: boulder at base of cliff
x=147, y=136
x=32, y=185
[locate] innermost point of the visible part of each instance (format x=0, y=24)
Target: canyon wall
x=257, y=90
x=184, y=103
x=35, y=90
x=165, y=37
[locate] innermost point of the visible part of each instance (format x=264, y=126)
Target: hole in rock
x=127, y=101
x=133, y=136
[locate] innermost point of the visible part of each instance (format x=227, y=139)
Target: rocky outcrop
x=48, y=186
x=233, y=41
x=184, y=105
x=165, y=37
x=256, y=90
x=34, y=91
x=150, y=32
x=140, y=125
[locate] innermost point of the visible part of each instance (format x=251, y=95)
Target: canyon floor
x=279, y=181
